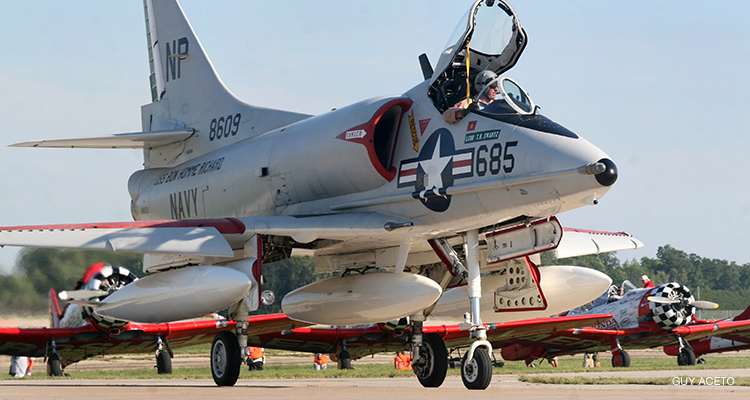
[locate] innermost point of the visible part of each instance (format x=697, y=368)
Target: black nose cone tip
x=609, y=176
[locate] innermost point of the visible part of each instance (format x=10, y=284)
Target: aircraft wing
x=379, y=338
x=200, y=237
x=732, y=330
x=581, y=242
x=588, y=339
x=76, y=344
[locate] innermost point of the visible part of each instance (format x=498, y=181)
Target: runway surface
x=502, y=386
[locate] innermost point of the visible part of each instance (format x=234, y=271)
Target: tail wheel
x=686, y=357
x=432, y=372
x=621, y=360
x=477, y=372
x=54, y=365
x=225, y=359
x=163, y=363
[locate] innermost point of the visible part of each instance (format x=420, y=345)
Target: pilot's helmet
x=483, y=78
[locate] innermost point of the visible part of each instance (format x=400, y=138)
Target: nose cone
x=609, y=176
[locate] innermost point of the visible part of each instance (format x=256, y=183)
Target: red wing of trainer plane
x=643, y=318
x=403, y=196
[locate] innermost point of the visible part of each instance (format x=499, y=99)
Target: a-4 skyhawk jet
x=457, y=176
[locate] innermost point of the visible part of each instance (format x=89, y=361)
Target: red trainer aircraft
x=643, y=318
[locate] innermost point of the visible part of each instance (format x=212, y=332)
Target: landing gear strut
x=476, y=370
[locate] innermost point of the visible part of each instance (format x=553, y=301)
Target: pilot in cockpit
x=463, y=107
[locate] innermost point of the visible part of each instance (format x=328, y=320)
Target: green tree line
x=38, y=270
x=720, y=281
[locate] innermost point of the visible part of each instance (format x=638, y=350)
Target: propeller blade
x=704, y=304
x=81, y=294
x=663, y=300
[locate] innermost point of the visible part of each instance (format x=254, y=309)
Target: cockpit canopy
x=492, y=36
x=504, y=96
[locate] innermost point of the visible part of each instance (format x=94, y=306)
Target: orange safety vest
x=402, y=363
x=323, y=359
x=255, y=352
x=407, y=359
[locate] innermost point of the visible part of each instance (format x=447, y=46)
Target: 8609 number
x=224, y=127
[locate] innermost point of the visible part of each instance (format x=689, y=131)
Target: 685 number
x=497, y=160
x=224, y=127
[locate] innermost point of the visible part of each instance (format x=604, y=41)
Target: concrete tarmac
x=502, y=386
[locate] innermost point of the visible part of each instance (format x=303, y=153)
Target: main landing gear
x=620, y=357
x=225, y=359
x=686, y=355
x=163, y=357
x=432, y=363
x=54, y=364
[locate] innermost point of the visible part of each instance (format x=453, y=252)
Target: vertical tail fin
x=180, y=69
x=187, y=93
x=745, y=315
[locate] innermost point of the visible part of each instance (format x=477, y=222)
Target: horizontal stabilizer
x=135, y=140
x=204, y=241
x=579, y=242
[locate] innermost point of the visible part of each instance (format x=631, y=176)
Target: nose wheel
x=476, y=373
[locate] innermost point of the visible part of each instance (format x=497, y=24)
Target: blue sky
x=662, y=87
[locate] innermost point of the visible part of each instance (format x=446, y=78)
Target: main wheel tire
x=163, y=363
x=477, y=372
x=432, y=374
x=621, y=360
x=345, y=360
x=686, y=357
x=54, y=366
x=225, y=359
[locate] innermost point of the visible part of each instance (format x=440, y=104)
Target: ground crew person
x=255, y=358
x=321, y=361
x=402, y=361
